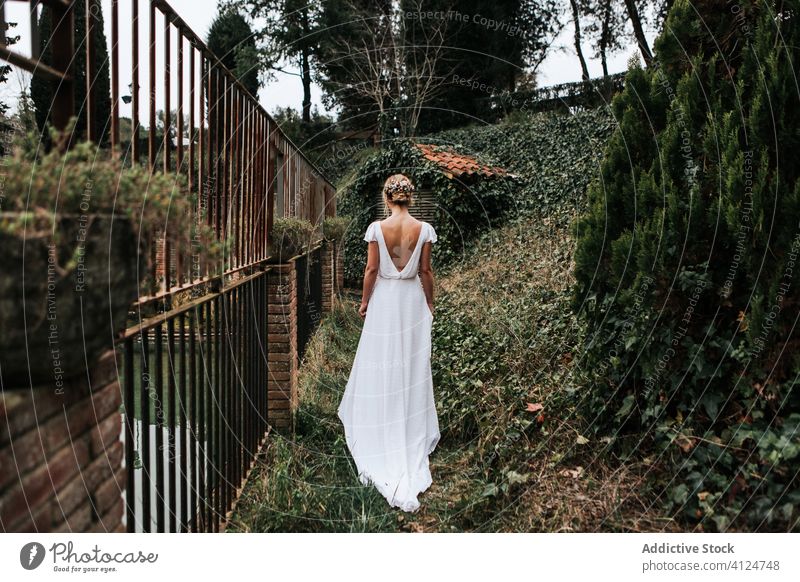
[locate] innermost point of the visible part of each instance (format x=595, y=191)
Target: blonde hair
x=398, y=189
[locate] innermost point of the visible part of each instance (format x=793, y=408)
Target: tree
x=606, y=28
x=489, y=48
x=537, y=26
x=313, y=138
x=686, y=269
x=5, y=68
x=398, y=68
x=42, y=90
x=232, y=41
x=343, y=22
x=288, y=32
x=461, y=52
x=638, y=31
x=576, y=22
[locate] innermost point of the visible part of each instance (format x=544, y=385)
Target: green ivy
x=462, y=212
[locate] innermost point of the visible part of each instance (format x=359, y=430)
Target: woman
x=388, y=409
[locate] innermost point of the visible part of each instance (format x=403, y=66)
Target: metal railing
x=589, y=94
x=309, y=296
x=198, y=405
x=194, y=375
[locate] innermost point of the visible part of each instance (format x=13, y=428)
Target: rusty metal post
x=63, y=43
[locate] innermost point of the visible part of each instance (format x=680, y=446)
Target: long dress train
x=388, y=409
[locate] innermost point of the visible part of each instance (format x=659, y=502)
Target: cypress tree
x=687, y=271
x=231, y=40
x=42, y=90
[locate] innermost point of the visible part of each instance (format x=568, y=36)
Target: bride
x=388, y=409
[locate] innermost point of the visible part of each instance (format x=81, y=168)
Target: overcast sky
x=561, y=65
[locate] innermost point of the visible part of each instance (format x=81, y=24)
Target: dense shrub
x=687, y=266
x=290, y=236
x=552, y=157
x=86, y=180
x=334, y=227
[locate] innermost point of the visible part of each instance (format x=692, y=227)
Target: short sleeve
x=432, y=234
x=370, y=235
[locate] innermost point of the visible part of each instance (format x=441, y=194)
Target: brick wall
x=61, y=455
x=339, y=258
x=328, y=290
x=282, y=341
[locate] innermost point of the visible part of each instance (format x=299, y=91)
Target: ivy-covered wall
x=553, y=156
x=463, y=209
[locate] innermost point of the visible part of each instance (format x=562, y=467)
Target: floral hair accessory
x=398, y=188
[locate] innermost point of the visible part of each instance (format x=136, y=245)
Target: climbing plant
x=553, y=156
x=463, y=210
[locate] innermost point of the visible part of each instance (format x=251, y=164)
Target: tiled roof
x=458, y=165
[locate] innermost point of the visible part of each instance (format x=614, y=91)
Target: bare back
x=401, y=235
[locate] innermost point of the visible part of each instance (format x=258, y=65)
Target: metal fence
x=195, y=407
x=194, y=376
x=309, y=296
x=586, y=94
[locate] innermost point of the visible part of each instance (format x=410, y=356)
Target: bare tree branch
x=400, y=74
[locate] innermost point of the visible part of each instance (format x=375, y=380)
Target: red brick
x=110, y=492
x=105, y=370
x=37, y=486
x=106, y=400
x=31, y=448
x=102, y=435
x=109, y=521
x=78, y=521
x=278, y=394
x=276, y=319
x=23, y=409
x=41, y=521
x=83, y=486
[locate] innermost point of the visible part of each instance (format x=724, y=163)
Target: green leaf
x=627, y=405
x=490, y=490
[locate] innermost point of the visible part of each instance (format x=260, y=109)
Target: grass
x=513, y=455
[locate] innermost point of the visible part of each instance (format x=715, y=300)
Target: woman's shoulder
x=422, y=223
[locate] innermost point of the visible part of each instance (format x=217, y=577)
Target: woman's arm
x=426, y=273
x=370, y=276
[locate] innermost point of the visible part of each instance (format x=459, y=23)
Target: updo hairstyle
x=398, y=189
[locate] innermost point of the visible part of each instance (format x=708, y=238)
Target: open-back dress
x=388, y=409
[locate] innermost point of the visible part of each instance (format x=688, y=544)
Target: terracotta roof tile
x=457, y=165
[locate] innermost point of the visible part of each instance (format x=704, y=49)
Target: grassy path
x=513, y=456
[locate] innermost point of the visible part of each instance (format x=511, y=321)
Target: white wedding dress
x=388, y=410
